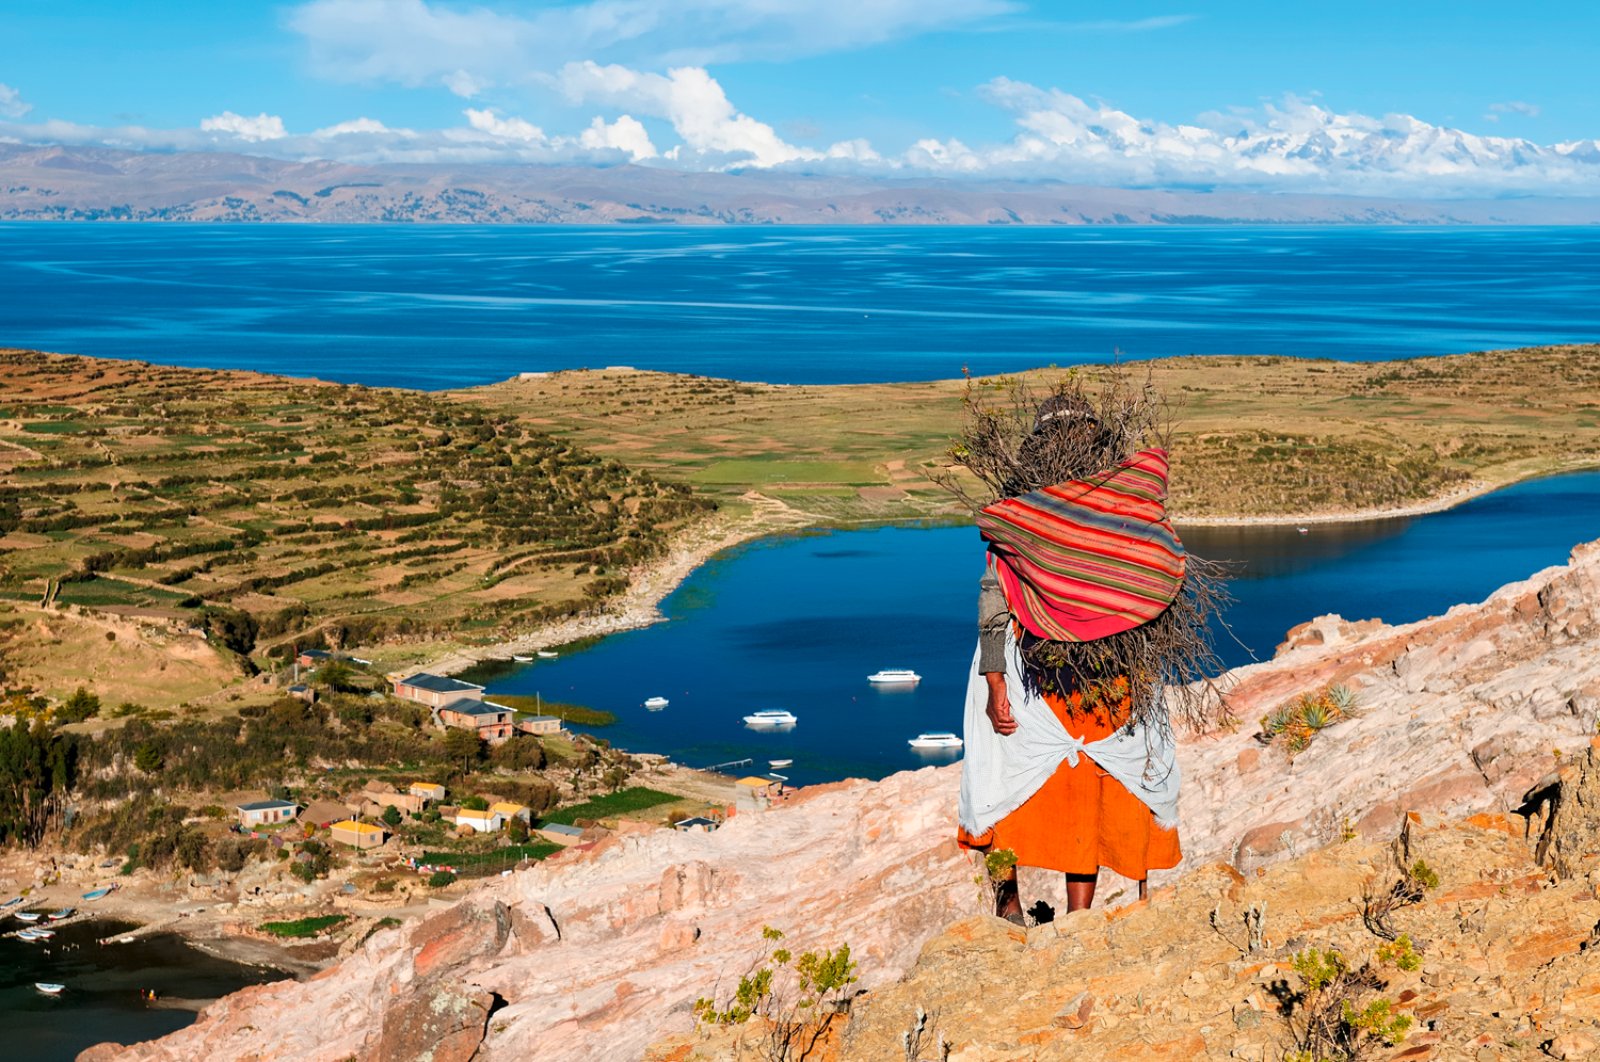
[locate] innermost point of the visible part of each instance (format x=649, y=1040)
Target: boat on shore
x=521, y=659
x=65, y=912
x=655, y=704
x=939, y=739
x=11, y=902
x=771, y=717
x=36, y=934
x=28, y=916
x=99, y=894
x=894, y=676
x=547, y=654
x=49, y=988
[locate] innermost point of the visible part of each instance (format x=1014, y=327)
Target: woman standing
x=1082, y=617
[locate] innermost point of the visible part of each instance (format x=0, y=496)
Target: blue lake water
x=102, y=998
x=437, y=307
x=798, y=622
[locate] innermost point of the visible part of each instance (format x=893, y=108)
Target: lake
x=449, y=306
x=799, y=621
x=102, y=999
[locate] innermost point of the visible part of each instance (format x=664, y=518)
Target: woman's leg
x=1080, y=891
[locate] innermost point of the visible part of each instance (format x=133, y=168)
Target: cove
x=799, y=621
x=102, y=998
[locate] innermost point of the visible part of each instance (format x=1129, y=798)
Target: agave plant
x=1317, y=714
x=1278, y=720
x=1342, y=698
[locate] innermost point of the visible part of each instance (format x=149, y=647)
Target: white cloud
x=471, y=49
x=624, y=134
x=359, y=126
x=1527, y=110
x=487, y=121
x=12, y=105
x=713, y=131
x=261, y=127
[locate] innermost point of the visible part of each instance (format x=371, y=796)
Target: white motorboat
x=521, y=659
x=655, y=704
x=548, y=654
x=775, y=764
x=771, y=717
x=895, y=676
x=28, y=916
x=941, y=739
x=49, y=989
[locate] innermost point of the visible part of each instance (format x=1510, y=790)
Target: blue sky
x=1360, y=97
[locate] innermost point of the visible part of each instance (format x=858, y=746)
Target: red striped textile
x=1088, y=558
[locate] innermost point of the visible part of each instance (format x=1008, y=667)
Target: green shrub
x=303, y=927
x=440, y=878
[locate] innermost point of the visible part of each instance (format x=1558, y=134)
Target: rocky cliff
x=601, y=954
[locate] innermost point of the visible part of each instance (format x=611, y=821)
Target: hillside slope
x=599, y=955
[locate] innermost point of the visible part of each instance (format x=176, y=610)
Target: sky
x=1422, y=97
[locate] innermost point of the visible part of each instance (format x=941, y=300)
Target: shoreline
x=639, y=606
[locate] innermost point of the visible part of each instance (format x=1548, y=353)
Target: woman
x=1058, y=770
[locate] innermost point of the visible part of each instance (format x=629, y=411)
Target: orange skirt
x=1083, y=819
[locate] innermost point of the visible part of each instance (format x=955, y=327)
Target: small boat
x=521, y=659
x=655, y=704
x=1304, y=530
x=775, y=764
x=65, y=912
x=12, y=902
x=941, y=739
x=895, y=676
x=97, y=894
x=49, y=989
x=30, y=934
x=771, y=717
x=548, y=654
x=29, y=916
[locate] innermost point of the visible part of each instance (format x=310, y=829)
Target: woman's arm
x=993, y=617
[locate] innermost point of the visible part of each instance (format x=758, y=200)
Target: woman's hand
x=999, y=709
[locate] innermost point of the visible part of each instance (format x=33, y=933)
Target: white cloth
x=999, y=774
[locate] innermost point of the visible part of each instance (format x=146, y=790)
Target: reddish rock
x=443, y=1025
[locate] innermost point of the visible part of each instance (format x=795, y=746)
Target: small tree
x=148, y=758
x=440, y=878
x=475, y=803
x=517, y=830
x=80, y=706
x=463, y=747
x=391, y=816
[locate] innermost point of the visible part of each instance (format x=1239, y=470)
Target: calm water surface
x=799, y=622
x=101, y=1001
x=434, y=307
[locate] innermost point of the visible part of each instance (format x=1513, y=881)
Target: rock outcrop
x=597, y=955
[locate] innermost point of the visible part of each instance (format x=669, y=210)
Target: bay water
x=800, y=621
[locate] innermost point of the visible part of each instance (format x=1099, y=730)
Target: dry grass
x=1253, y=436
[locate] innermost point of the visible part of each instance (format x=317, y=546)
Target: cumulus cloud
x=470, y=49
x=624, y=134
x=490, y=122
x=358, y=126
x=261, y=127
x=12, y=105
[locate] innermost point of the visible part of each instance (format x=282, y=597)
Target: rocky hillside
x=1484, y=715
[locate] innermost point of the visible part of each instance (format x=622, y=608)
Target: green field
x=303, y=927
x=626, y=801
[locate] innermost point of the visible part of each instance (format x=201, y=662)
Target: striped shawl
x=1091, y=557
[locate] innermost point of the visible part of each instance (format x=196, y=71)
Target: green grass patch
x=634, y=798
x=303, y=927
x=497, y=859
x=743, y=471
x=571, y=713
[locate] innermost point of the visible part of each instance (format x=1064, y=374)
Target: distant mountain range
x=55, y=183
